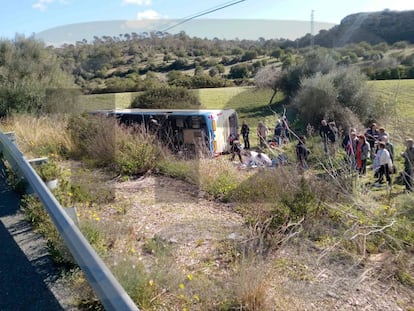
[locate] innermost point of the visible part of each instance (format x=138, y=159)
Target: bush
x=102, y=142
x=340, y=95
x=48, y=171
x=166, y=98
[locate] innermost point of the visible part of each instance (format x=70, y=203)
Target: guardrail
x=106, y=287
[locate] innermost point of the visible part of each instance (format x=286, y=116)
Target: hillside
x=386, y=26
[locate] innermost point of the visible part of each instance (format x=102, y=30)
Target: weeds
x=102, y=142
x=40, y=136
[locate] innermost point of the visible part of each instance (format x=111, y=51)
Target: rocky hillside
x=386, y=26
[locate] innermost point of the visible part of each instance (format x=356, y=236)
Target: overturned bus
x=192, y=131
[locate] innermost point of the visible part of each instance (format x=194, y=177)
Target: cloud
x=43, y=4
x=137, y=2
x=148, y=14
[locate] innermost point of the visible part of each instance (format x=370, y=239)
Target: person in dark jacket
x=408, y=156
x=328, y=134
x=236, y=147
x=371, y=135
x=302, y=153
x=245, y=133
x=278, y=132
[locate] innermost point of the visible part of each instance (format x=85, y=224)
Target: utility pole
x=312, y=29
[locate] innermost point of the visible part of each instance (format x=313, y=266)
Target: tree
x=213, y=72
x=269, y=78
x=239, y=71
x=198, y=71
x=249, y=55
x=341, y=95
x=276, y=53
x=30, y=74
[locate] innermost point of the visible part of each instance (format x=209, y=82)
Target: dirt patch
x=178, y=213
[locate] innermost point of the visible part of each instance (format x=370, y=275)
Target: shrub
x=340, y=95
x=102, y=142
x=166, y=98
x=48, y=171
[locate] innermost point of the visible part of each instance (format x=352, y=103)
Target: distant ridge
x=249, y=29
x=374, y=27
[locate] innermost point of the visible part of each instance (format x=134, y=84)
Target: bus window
x=179, y=123
x=195, y=122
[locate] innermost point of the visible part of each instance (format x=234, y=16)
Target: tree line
x=33, y=75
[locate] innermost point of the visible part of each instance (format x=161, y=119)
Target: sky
x=28, y=17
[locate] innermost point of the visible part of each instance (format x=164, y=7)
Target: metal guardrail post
x=105, y=285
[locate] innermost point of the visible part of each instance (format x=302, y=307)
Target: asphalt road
x=28, y=278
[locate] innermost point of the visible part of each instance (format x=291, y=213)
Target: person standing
x=328, y=133
x=385, y=165
x=285, y=130
x=408, y=156
x=236, y=148
x=349, y=143
x=362, y=153
x=245, y=133
x=278, y=132
x=302, y=153
x=389, y=146
x=372, y=136
x=262, y=133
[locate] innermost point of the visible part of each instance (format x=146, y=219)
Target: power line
x=205, y=12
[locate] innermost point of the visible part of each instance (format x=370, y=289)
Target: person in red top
x=361, y=154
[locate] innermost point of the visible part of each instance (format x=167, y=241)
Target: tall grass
x=102, y=142
x=40, y=136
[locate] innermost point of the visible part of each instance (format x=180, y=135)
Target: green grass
x=398, y=99
x=252, y=105
x=107, y=101
x=398, y=92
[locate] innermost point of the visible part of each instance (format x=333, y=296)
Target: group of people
x=371, y=145
x=258, y=158
x=281, y=134
x=253, y=158
x=374, y=144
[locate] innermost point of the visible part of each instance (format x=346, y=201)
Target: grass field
x=398, y=99
x=107, y=101
x=399, y=92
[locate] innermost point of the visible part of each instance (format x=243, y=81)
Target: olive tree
x=341, y=95
x=30, y=75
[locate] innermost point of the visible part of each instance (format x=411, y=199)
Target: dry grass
x=40, y=136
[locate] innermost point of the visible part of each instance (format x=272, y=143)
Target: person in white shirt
x=384, y=161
